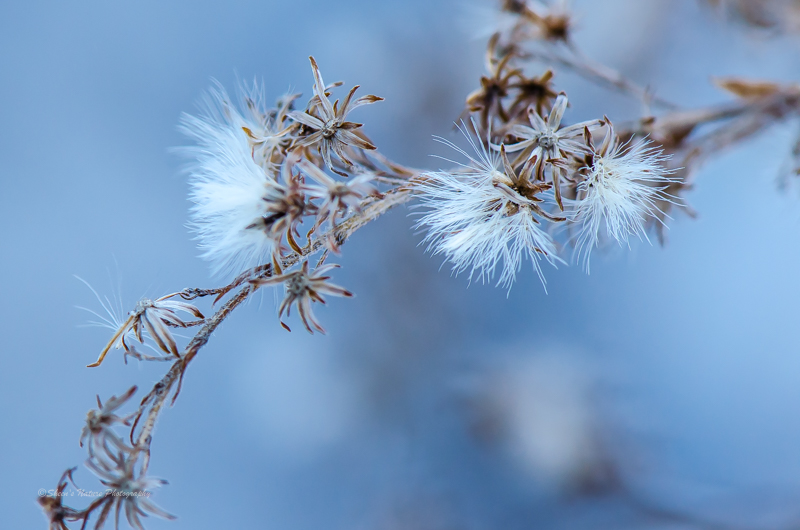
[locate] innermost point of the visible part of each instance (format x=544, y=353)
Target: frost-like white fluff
x=477, y=225
x=620, y=193
x=227, y=189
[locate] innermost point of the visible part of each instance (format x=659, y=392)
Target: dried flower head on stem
x=285, y=206
x=129, y=491
x=302, y=289
x=155, y=317
x=57, y=514
x=623, y=185
x=268, y=131
x=488, y=99
x=337, y=197
x=331, y=131
x=546, y=141
x=100, y=423
x=228, y=189
x=486, y=214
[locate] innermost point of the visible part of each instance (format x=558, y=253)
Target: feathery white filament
x=227, y=189
x=477, y=226
x=620, y=194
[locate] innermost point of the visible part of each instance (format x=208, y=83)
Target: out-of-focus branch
x=599, y=73
x=731, y=123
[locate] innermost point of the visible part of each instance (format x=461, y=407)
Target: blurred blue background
x=662, y=391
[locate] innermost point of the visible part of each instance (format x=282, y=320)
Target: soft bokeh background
x=661, y=391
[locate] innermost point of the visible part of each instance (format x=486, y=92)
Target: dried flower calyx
x=337, y=197
x=130, y=491
x=285, y=205
x=302, y=288
x=100, y=422
x=327, y=121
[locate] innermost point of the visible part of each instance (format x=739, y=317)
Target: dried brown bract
x=328, y=121
x=747, y=88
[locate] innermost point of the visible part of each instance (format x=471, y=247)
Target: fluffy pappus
x=227, y=189
x=487, y=216
x=620, y=193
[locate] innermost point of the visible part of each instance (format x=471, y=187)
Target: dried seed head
x=488, y=99
x=553, y=20
x=331, y=131
x=301, y=289
x=235, y=164
x=57, y=514
x=100, y=423
x=285, y=206
x=130, y=491
x=337, y=197
x=546, y=142
x=536, y=92
x=155, y=317
x=487, y=216
x=623, y=185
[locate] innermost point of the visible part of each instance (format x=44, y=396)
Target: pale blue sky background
x=685, y=358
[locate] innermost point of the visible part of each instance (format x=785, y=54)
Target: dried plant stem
x=677, y=133
x=600, y=74
x=730, y=124
x=153, y=402
x=775, y=106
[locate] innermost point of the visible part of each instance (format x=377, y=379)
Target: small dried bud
x=57, y=514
